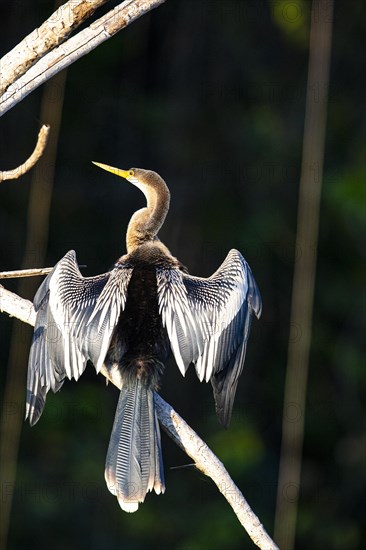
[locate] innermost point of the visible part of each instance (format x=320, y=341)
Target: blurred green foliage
x=210, y=94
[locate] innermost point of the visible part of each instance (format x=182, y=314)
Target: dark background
x=210, y=94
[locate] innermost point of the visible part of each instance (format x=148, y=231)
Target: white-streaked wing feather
x=208, y=320
x=75, y=320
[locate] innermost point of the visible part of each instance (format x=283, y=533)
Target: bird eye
x=131, y=172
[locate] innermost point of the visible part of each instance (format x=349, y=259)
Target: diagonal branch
x=31, y=161
x=75, y=48
x=43, y=39
x=205, y=460
x=15, y=306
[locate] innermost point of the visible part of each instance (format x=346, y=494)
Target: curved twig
x=31, y=161
x=205, y=460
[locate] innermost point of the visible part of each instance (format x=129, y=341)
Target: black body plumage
x=130, y=319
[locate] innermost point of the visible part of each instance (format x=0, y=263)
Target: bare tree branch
x=205, y=460
x=43, y=39
x=211, y=466
x=15, y=306
x=31, y=161
x=17, y=273
x=75, y=48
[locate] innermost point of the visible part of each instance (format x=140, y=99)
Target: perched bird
x=130, y=319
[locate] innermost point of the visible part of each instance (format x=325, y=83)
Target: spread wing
x=208, y=323
x=75, y=320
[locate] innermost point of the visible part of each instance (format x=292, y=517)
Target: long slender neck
x=145, y=223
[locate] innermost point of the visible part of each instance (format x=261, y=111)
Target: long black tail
x=134, y=462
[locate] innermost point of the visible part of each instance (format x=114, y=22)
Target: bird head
x=146, y=222
x=137, y=176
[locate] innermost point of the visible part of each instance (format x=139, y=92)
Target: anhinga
x=129, y=319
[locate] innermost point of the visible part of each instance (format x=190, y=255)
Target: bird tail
x=134, y=462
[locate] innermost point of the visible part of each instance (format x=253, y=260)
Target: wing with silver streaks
x=75, y=320
x=208, y=323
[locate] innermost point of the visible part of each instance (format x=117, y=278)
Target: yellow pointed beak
x=116, y=171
